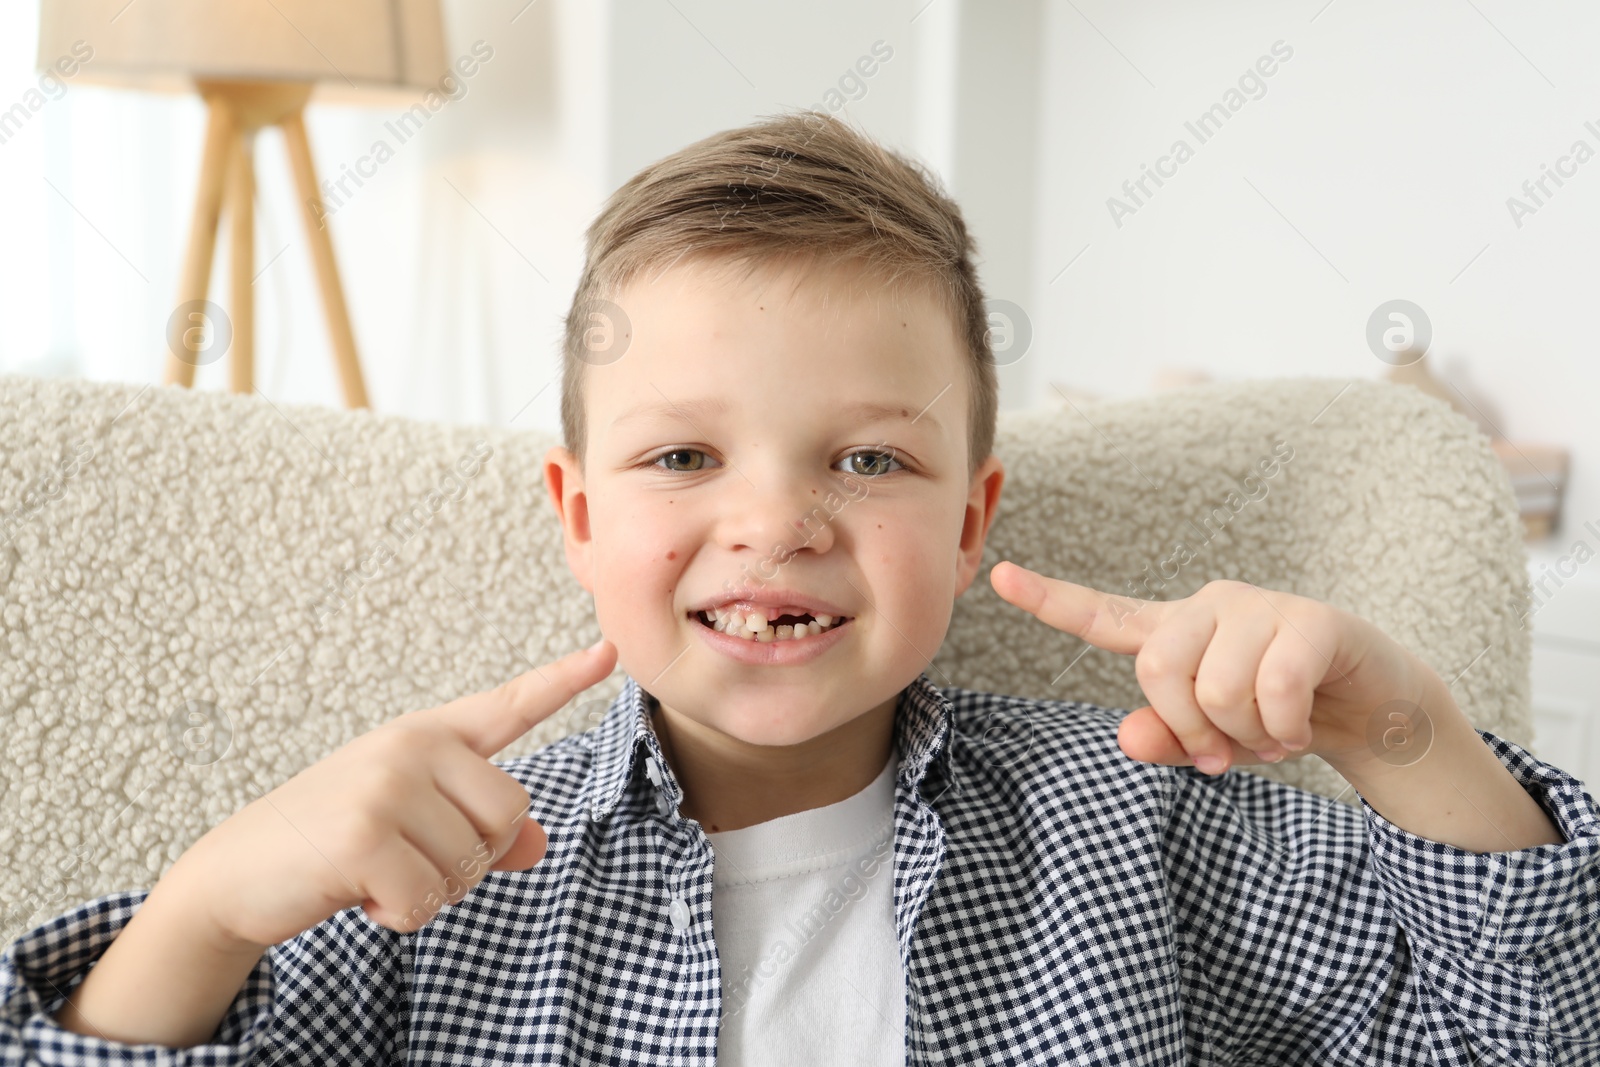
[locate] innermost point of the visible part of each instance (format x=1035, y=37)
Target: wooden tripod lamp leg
x=221, y=132
x=242, y=247
x=313, y=212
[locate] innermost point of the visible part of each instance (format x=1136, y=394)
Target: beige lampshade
x=357, y=51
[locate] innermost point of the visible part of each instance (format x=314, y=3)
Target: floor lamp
x=255, y=63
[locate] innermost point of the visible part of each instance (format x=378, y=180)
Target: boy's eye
x=687, y=455
x=879, y=468
x=679, y=452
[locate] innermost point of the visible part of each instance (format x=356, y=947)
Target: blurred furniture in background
x=1561, y=614
x=1538, y=472
x=255, y=63
x=1539, y=478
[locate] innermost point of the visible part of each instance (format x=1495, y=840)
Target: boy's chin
x=771, y=727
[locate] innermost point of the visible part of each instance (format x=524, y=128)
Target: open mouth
x=754, y=626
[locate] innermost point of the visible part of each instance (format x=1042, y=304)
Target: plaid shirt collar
x=921, y=725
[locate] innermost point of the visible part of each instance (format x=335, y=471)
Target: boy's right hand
x=401, y=821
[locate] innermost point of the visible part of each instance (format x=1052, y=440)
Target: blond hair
x=794, y=184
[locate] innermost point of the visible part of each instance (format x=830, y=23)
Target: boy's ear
x=982, y=502
x=564, y=481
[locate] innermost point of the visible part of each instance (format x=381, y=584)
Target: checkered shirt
x=1055, y=902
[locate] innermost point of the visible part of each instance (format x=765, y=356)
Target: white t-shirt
x=802, y=909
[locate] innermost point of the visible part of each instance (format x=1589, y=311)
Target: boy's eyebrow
x=690, y=410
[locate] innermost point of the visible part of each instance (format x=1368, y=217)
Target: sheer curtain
x=458, y=253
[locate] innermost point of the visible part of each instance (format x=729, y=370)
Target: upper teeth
x=755, y=627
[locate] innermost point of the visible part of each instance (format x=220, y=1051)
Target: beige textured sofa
x=204, y=593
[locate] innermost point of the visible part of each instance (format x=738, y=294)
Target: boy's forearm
x=1458, y=793
x=165, y=979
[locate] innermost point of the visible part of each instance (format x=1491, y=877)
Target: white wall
x=1376, y=165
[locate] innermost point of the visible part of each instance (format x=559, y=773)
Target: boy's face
x=738, y=478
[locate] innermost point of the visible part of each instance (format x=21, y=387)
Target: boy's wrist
x=1456, y=792
x=192, y=893
x=167, y=978
x=1435, y=736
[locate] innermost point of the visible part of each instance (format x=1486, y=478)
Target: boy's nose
x=770, y=521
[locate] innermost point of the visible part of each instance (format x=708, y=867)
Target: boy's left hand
x=1248, y=675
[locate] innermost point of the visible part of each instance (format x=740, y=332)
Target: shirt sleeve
x=333, y=994
x=1313, y=931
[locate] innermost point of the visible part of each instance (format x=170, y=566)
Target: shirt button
x=663, y=805
x=653, y=769
x=680, y=914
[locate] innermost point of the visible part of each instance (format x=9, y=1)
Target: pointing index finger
x=1117, y=624
x=491, y=720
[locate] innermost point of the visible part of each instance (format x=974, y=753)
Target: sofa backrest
x=204, y=593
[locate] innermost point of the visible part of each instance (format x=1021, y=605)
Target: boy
x=784, y=844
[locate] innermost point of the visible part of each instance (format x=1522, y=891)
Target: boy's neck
x=729, y=785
